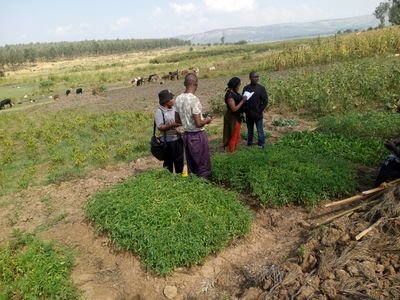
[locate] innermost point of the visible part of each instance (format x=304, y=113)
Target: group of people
x=186, y=111
x=248, y=105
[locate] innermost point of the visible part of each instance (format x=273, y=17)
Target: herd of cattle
x=172, y=75
x=137, y=81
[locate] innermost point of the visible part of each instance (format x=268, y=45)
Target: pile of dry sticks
x=368, y=199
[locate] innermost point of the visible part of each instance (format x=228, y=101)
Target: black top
x=237, y=98
x=255, y=106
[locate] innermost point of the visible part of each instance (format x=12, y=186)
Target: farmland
x=76, y=170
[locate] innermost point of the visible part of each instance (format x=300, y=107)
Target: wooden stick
x=343, y=213
x=345, y=201
x=383, y=186
x=364, y=232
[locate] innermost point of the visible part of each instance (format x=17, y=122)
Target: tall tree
x=381, y=12
x=394, y=12
x=391, y=9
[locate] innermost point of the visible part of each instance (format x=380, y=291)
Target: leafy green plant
x=168, y=220
x=282, y=175
x=31, y=269
x=379, y=125
x=281, y=122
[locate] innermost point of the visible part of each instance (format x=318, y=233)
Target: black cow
x=5, y=102
x=79, y=91
x=67, y=92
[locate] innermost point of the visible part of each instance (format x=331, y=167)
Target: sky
x=26, y=21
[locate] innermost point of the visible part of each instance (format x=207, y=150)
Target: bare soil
x=56, y=212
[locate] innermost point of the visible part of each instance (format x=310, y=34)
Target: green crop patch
x=379, y=125
x=169, y=220
x=365, y=151
x=40, y=148
x=31, y=269
x=282, y=175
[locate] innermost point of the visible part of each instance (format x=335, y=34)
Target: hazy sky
x=25, y=21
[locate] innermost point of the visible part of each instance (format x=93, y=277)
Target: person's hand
x=245, y=98
x=208, y=120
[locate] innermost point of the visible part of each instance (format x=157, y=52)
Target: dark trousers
x=250, y=122
x=174, y=156
x=197, y=153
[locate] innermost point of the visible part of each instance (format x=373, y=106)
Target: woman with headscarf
x=233, y=115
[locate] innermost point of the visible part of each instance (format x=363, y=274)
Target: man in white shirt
x=188, y=113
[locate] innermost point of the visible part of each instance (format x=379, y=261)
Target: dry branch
x=382, y=187
x=364, y=232
x=348, y=211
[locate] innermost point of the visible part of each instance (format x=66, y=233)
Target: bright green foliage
x=365, y=151
x=169, y=220
x=282, y=175
x=31, y=269
x=342, y=87
x=380, y=125
x=40, y=148
x=281, y=122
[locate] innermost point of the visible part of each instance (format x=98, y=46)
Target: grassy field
x=348, y=83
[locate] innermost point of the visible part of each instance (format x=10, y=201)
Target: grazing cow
x=138, y=81
x=212, y=68
x=190, y=70
x=166, y=76
x=5, y=102
x=174, y=75
x=67, y=92
x=79, y=91
x=153, y=78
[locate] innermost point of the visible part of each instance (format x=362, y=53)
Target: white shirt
x=186, y=106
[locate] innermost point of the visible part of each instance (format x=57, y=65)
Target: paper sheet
x=248, y=94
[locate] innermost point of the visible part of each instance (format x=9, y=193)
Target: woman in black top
x=233, y=115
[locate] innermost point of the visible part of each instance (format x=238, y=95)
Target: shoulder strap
x=154, y=127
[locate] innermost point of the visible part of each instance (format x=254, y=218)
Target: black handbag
x=158, y=147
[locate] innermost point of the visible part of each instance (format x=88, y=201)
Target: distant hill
x=278, y=32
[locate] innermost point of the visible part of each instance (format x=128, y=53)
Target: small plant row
x=40, y=148
x=31, y=269
x=308, y=167
x=169, y=221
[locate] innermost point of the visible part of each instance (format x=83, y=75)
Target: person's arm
x=232, y=106
x=392, y=146
x=264, y=97
x=178, y=118
x=165, y=127
x=199, y=122
x=160, y=122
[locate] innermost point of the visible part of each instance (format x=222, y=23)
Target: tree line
x=13, y=55
x=388, y=10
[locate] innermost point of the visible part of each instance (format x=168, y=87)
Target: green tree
x=381, y=12
x=394, y=13
x=391, y=9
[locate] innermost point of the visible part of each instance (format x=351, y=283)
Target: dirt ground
x=55, y=212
